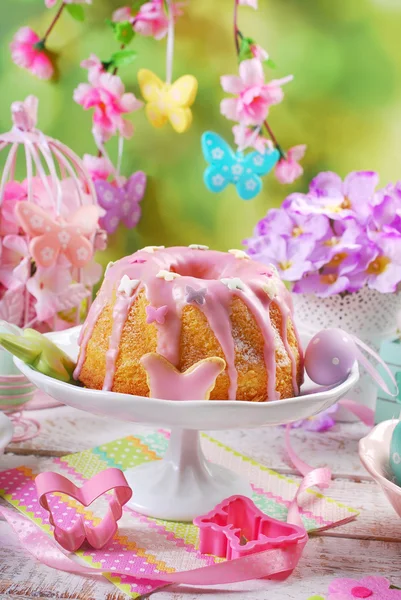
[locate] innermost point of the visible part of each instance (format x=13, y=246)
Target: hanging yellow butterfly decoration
x=168, y=101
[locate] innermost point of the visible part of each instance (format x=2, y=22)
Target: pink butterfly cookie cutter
x=236, y=528
x=71, y=539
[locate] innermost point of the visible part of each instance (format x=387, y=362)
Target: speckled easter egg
x=330, y=356
x=395, y=453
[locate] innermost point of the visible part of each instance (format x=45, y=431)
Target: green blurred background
x=344, y=103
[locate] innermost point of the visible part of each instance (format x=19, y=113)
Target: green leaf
x=123, y=32
x=76, y=11
x=270, y=63
x=123, y=57
x=245, y=49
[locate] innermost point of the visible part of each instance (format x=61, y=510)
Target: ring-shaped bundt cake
x=188, y=304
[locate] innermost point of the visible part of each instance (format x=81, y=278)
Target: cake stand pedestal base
x=184, y=484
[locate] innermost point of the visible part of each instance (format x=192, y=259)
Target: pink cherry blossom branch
x=237, y=34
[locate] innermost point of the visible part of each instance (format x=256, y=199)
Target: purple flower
x=338, y=237
x=288, y=256
x=329, y=196
x=321, y=422
x=321, y=284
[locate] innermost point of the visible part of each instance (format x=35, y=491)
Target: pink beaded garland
x=330, y=356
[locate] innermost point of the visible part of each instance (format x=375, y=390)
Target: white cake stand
x=183, y=484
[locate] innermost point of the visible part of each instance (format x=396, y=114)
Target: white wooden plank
x=65, y=430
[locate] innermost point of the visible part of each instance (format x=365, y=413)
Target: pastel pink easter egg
x=330, y=356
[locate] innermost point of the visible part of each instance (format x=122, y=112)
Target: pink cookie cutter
x=110, y=479
x=236, y=528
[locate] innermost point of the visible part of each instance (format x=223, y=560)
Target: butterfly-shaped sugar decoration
x=152, y=249
x=128, y=286
x=198, y=247
x=227, y=166
x=156, y=315
x=121, y=203
x=239, y=253
x=168, y=102
x=167, y=383
x=195, y=296
x=167, y=275
x=51, y=237
x=270, y=288
x=233, y=283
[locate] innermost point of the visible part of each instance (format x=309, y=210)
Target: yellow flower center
x=337, y=259
x=378, y=266
x=332, y=241
x=346, y=204
x=328, y=279
x=297, y=231
x=285, y=265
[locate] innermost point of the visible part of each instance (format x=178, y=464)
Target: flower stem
x=52, y=24
x=274, y=139
x=238, y=34
x=236, y=26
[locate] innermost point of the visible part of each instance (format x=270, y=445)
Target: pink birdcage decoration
x=48, y=234
x=48, y=228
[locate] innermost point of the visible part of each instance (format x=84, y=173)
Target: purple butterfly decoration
x=121, y=203
x=197, y=296
x=157, y=315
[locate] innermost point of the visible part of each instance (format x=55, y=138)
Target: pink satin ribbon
x=268, y=563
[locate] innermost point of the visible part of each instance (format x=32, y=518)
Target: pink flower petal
x=297, y=152
x=251, y=72
x=252, y=3
x=26, y=35
x=126, y=129
x=228, y=108
x=42, y=66
x=231, y=84
x=112, y=83
x=129, y=103
x=122, y=14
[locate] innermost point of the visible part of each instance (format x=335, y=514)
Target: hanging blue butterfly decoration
x=227, y=166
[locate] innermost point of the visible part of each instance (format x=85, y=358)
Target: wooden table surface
x=371, y=544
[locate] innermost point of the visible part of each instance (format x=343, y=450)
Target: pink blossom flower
x=253, y=96
x=93, y=62
x=46, y=286
x=152, y=19
x=28, y=52
x=122, y=14
x=98, y=167
x=106, y=94
x=258, y=52
x=287, y=170
x=13, y=193
x=374, y=588
x=15, y=263
x=246, y=137
x=251, y=3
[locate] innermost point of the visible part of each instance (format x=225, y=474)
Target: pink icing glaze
x=166, y=383
x=198, y=269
